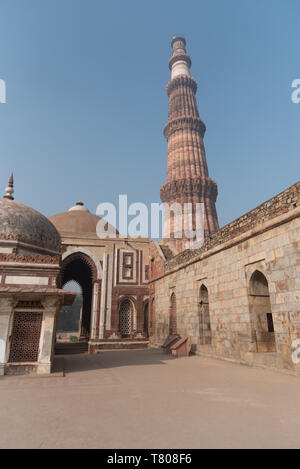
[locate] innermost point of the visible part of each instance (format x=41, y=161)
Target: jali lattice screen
x=25, y=337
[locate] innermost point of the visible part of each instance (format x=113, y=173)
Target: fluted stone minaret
x=187, y=173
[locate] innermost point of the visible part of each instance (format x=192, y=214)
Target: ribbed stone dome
x=22, y=223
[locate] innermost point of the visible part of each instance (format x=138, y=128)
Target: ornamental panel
x=125, y=318
x=25, y=339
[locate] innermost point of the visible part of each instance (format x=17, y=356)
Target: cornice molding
x=202, y=187
x=181, y=80
x=34, y=242
x=29, y=258
x=182, y=123
x=181, y=56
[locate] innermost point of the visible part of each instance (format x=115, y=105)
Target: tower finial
x=180, y=62
x=10, y=188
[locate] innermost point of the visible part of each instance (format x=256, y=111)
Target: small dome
x=22, y=223
x=78, y=220
x=75, y=222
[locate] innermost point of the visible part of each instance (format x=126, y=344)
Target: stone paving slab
x=147, y=399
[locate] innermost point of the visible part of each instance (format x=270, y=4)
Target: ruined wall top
x=284, y=202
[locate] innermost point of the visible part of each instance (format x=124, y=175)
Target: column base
x=43, y=369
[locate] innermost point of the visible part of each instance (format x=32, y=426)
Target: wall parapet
x=280, y=204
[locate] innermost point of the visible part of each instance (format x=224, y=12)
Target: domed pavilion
x=30, y=258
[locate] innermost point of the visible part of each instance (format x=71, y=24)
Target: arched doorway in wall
x=146, y=319
x=126, y=318
x=79, y=268
x=261, y=313
x=68, y=322
x=152, y=319
x=204, y=317
x=173, y=316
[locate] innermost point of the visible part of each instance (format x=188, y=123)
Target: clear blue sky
x=86, y=101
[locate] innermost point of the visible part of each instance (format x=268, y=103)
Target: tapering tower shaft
x=187, y=173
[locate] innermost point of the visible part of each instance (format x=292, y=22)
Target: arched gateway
x=261, y=313
x=81, y=269
x=109, y=271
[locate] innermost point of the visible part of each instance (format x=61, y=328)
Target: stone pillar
x=103, y=294
x=94, y=311
x=6, y=309
x=51, y=307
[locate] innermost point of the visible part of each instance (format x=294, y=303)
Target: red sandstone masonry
x=187, y=172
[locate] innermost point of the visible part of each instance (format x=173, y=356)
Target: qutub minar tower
x=187, y=173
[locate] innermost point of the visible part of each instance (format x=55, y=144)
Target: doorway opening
x=146, y=319
x=261, y=313
x=69, y=319
x=172, y=316
x=204, y=317
x=74, y=323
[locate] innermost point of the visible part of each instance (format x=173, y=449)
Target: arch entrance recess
x=204, y=317
x=261, y=313
x=173, y=316
x=125, y=318
x=68, y=322
x=81, y=269
x=146, y=319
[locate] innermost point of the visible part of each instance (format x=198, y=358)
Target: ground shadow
x=109, y=359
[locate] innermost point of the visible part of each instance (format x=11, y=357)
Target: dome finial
x=79, y=207
x=10, y=188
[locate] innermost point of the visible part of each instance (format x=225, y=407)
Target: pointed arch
x=126, y=310
x=204, y=316
x=146, y=322
x=152, y=317
x=79, y=267
x=173, y=315
x=89, y=255
x=261, y=313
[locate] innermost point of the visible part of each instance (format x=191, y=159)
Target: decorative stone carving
x=114, y=336
x=51, y=303
x=32, y=259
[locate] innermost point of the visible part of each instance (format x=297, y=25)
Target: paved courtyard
x=145, y=399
